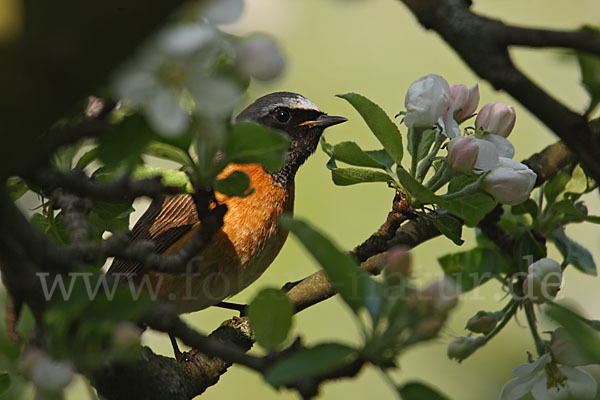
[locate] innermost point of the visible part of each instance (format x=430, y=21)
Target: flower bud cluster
x=431, y=101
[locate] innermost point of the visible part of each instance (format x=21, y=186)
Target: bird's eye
x=282, y=115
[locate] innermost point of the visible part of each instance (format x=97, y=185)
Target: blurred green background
x=377, y=48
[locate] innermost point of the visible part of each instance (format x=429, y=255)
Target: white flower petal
x=134, y=85
x=488, y=155
x=185, y=38
x=166, y=115
x=518, y=387
x=223, y=11
x=214, y=97
x=505, y=148
x=534, y=367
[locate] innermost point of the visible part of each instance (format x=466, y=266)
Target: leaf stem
x=511, y=309
x=415, y=139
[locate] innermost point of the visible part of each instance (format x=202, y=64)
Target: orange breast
x=239, y=253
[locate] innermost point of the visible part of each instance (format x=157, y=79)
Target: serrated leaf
x=168, y=152
x=380, y=124
x=528, y=207
x=471, y=209
x=449, y=227
x=352, y=176
x=581, y=335
x=416, y=189
x=309, y=362
x=471, y=268
x=249, y=142
x=419, y=391
x=574, y=253
x=235, y=184
x=351, y=153
x=4, y=382
x=270, y=315
x=345, y=276
x=556, y=185
x=381, y=156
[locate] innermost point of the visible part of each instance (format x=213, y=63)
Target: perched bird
x=250, y=237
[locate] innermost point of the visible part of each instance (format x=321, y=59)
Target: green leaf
x=4, y=382
x=111, y=217
x=345, y=276
x=169, y=177
x=16, y=187
x=589, y=65
x=528, y=207
x=352, y=176
x=87, y=158
x=270, y=315
x=528, y=250
x=309, y=362
x=380, y=124
x=556, y=185
x=381, y=156
x=126, y=140
x=416, y=189
x=427, y=138
x=471, y=268
x=168, y=152
x=471, y=209
x=449, y=226
x=574, y=253
x=351, y=153
x=249, y=142
x=419, y=391
x=62, y=159
x=235, y=184
x=54, y=229
x=26, y=323
x=579, y=181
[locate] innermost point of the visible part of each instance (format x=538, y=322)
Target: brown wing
x=165, y=221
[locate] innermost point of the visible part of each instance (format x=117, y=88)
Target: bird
x=250, y=237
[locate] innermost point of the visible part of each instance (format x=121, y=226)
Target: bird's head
x=299, y=118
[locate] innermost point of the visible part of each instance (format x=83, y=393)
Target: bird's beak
x=324, y=121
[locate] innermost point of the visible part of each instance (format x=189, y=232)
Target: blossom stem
x=441, y=177
x=428, y=160
x=415, y=135
x=511, y=309
x=540, y=345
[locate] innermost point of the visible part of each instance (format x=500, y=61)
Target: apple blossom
x=510, y=182
x=543, y=280
x=496, y=118
x=466, y=153
x=428, y=102
x=397, y=264
x=566, y=351
x=565, y=383
x=465, y=100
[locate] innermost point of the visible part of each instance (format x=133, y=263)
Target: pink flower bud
x=543, y=280
x=496, y=118
x=463, y=346
x=462, y=153
x=442, y=295
x=565, y=351
x=510, y=182
x=465, y=100
x=482, y=322
x=398, y=265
